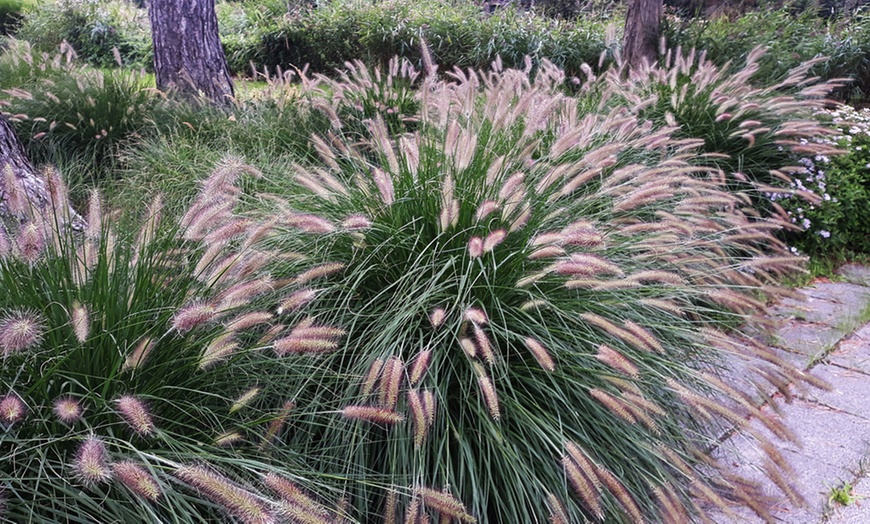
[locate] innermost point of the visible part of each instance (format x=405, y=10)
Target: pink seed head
x=90, y=463
x=475, y=247
x=239, y=503
x=493, y=239
x=31, y=242
x=437, y=316
x=137, y=479
x=372, y=414
x=68, y=410
x=192, y=316
x=20, y=330
x=355, y=222
x=80, y=321
x=476, y=316
x=12, y=409
x=135, y=414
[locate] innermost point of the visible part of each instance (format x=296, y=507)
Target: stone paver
x=824, y=334
x=856, y=274
x=808, y=340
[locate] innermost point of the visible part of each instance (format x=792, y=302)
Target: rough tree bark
x=30, y=190
x=188, y=56
x=642, y=30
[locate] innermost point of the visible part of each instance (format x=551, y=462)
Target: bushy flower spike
x=68, y=410
x=444, y=503
x=239, y=503
x=292, y=494
x=140, y=353
x=245, y=399
x=419, y=366
x=30, y=241
x=372, y=414
x=12, y=409
x=278, y=422
x=192, y=316
x=91, y=462
x=80, y=321
x=136, y=415
x=137, y=479
x=20, y=330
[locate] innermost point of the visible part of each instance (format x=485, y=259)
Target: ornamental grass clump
x=128, y=367
x=755, y=133
x=517, y=311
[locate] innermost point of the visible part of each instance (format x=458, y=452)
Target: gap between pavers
x=832, y=427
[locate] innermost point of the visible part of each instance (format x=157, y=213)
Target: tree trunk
x=23, y=193
x=188, y=56
x=642, y=29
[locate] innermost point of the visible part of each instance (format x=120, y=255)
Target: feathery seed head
x=468, y=347
x=356, y=222
x=299, y=506
x=486, y=208
x=419, y=367
x=12, y=409
x=616, y=360
x=494, y=239
x=371, y=378
x=249, y=320
x=487, y=389
x=483, y=344
x=228, y=439
x=139, y=354
x=372, y=414
x=91, y=462
x=321, y=271
x=418, y=416
x=136, y=415
x=308, y=223
x=475, y=247
x=540, y=353
x=297, y=300
x=237, y=502
x=391, y=380
x=193, y=315
x=437, y=316
x=446, y=504
x=137, y=479
x=218, y=349
x=68, y=410
x=80, y=321
x=30, y=241
x=20, y=330
x=245, y=399
x=476, y=316
x=429, y=404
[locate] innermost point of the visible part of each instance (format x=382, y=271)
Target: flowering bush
x=835, y=220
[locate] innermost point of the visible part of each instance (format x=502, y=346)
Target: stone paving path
x=828, y=334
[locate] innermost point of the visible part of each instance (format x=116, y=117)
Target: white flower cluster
x=812, y=177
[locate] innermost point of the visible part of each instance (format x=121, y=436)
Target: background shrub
x=459, y=34
x=836, y=224
x=11, y=12
x=94, y=28
x=790, y=37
